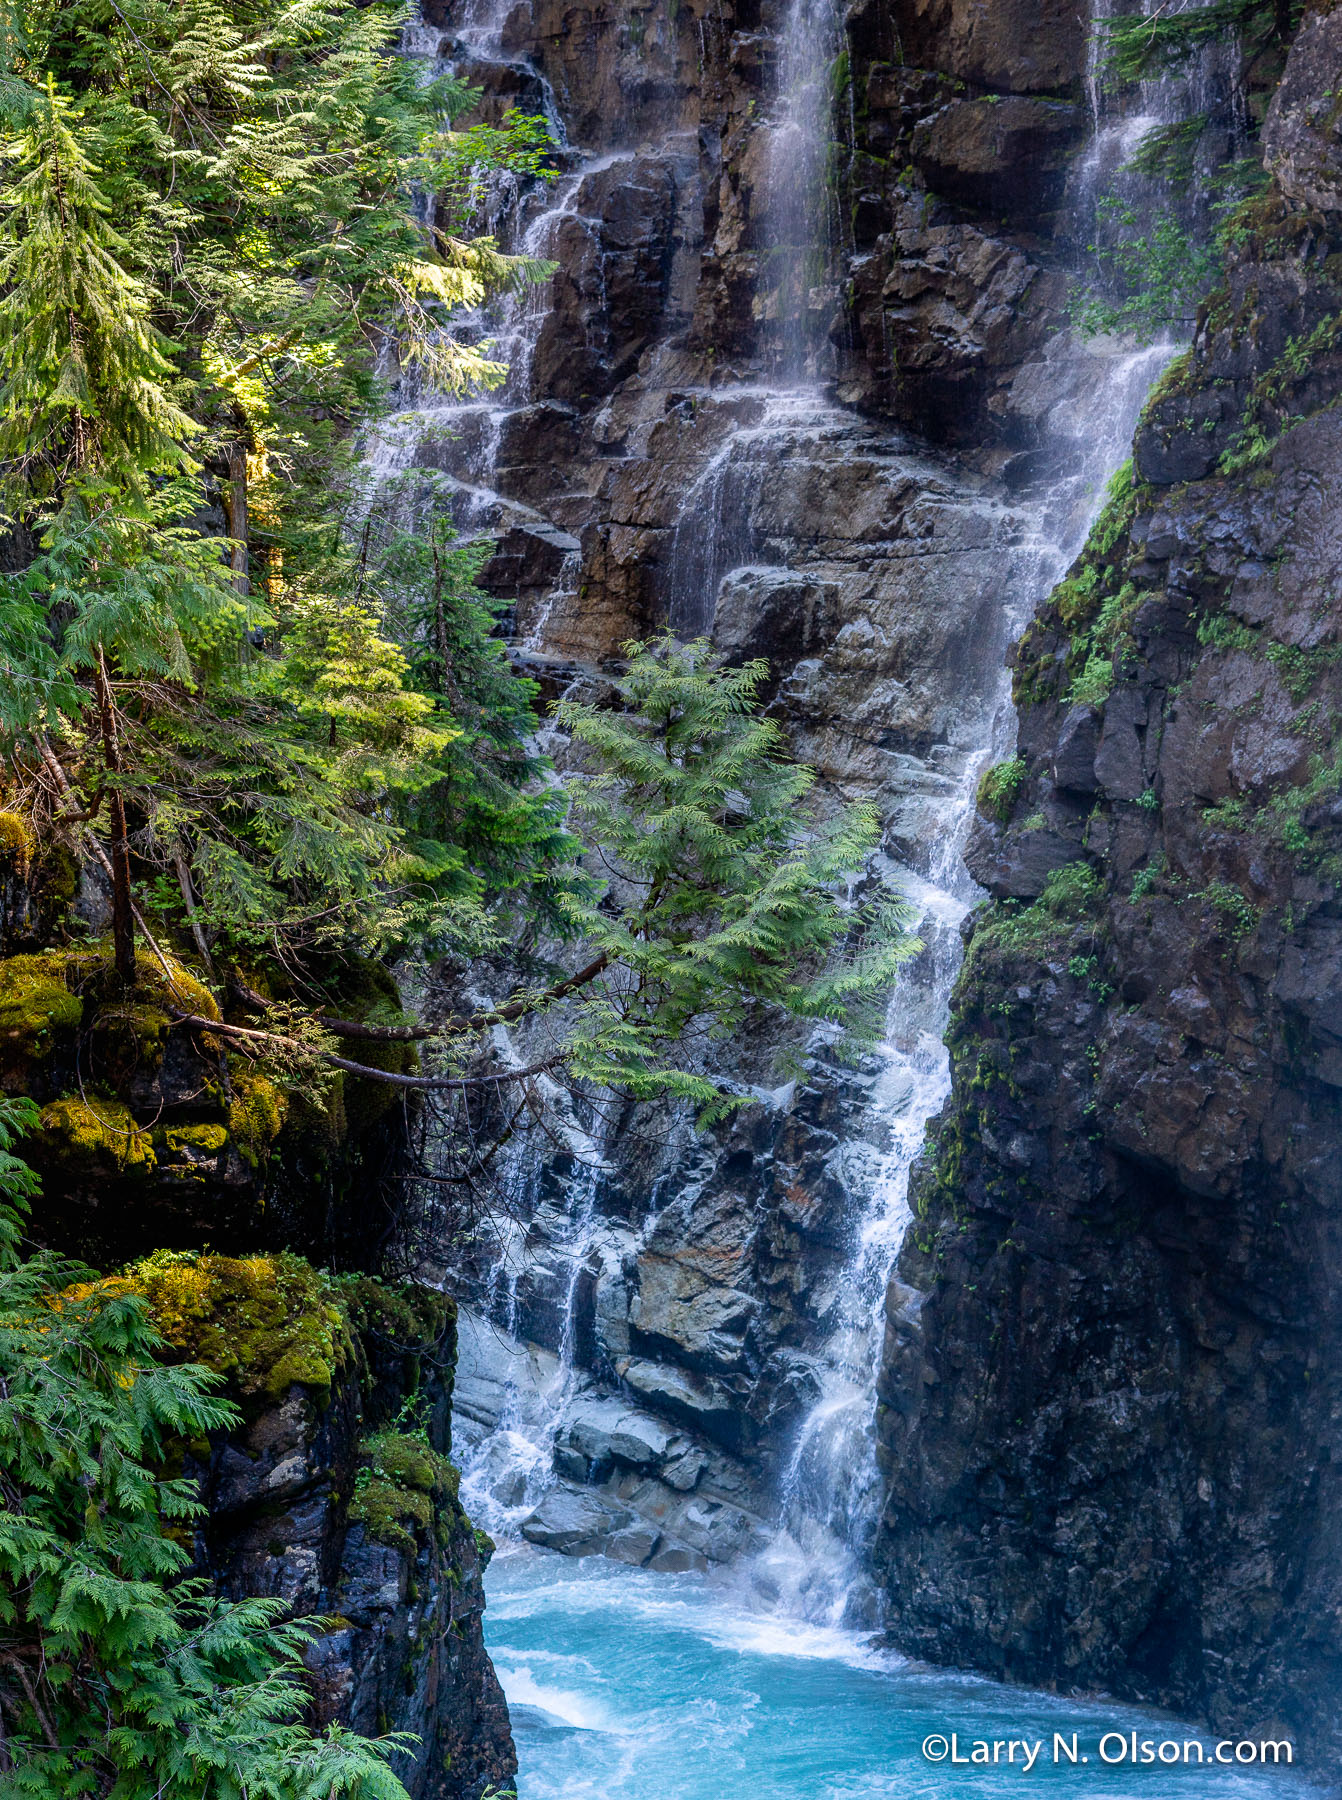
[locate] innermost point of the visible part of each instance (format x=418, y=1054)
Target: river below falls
x=628, y=1685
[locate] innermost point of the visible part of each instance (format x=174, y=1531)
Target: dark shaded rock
x=1004, y=155
x=1111, y=1384
x=407, y=1653
x=1012, y=46
x=1015, y=864
x=1074, y=757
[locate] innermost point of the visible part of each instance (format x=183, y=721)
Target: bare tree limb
x=422, y=1083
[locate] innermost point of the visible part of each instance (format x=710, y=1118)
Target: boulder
x=1302, y=134
x=574, y=1522
x=701, y=1401
x=606, y=1430
x=1004, y=155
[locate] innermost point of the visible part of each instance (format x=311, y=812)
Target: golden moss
x=256, y=1114
x=35, y=1003
x=208, y=1140
x=95, y=1135
x=177, y=987
x=17, y=843
x=264, y=1322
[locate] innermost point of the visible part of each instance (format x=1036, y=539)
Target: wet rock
x=1074, y=757
x=1004, y=155
x=606, y=1430
x=707, y=1404
x=635, y=1544
x=1016, y=864
x=407, y=1653
x=1302, y=140
x=678, y=1559
x=1132, y=1209
x=573, y=1522
x=1009, y=45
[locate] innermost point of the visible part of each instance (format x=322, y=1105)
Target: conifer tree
x=84, y=377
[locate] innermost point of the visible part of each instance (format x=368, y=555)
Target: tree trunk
x=235, y=516
x=123, y=915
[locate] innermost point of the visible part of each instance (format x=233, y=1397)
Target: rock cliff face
x=1108, y=1383
x=655, y=459
x=1111, y=1389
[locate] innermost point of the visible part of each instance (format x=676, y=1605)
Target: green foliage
x=1068, y=904
x=120, y=1676
x=207, y=247
x=84, y=374
x=721, y=882
x=1145, y=880
x=1236, y=915
x=1140, y=45
x=458, y=162
x=995, y=796
x=1158, y=268
x=1266, y=411
x=1091, y=687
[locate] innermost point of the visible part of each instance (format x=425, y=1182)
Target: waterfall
x=800, y=213
x=788, y=500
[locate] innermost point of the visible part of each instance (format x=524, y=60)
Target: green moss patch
x=36, y=1004
x=401, y=1484
x=95, y=1136
x=998, y=788
x=1069, y=902
x=264, y=1322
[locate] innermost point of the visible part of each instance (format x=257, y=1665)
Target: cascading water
x=677, y=1678
x=799, y=214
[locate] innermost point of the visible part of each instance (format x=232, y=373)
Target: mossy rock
x=405, y=1313
x=403, y=1482
x=256, y=1115
x=94, y=1136
x=995, y=796
x=265, y=1323
x=17, y=843
x=36, y=1004
x=60, y=990
x=199, y=1140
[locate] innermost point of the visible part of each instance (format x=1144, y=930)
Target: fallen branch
x=501, y=1015
x=421, y=1083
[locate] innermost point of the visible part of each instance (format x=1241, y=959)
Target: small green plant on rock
x=400, y=1479
x=998, y=788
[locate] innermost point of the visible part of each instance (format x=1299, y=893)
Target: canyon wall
x=1111, y=1387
